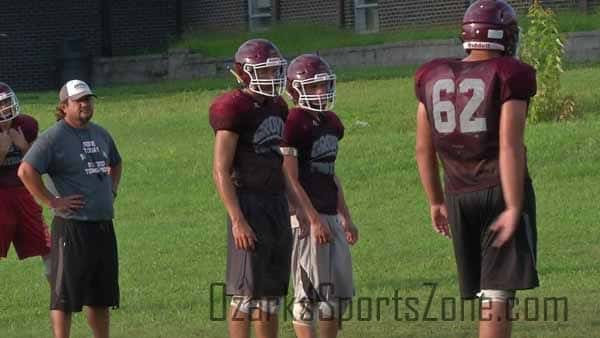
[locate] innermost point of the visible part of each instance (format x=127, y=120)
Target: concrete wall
x=583, y=46
x=178, y=64
x=181, y=64
x=402, y=53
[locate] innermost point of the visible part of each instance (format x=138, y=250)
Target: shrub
x=542, y=47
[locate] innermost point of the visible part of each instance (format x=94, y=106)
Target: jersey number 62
x=468, y=124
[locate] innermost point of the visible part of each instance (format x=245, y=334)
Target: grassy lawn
x=171, y=232
x=221, y=44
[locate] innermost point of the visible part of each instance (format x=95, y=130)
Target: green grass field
x=171, y=231
x=220, y=44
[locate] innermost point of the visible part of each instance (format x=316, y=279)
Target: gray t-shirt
x=78, y=160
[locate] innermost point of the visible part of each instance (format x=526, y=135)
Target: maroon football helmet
x=260, y=67
x=311, y=83
x=9, y=104
x=490, y=24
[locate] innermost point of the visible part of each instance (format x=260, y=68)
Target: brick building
x=35, y=35
x=361, y=15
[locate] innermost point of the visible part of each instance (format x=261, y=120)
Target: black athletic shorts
x=481, y=266
x=84, y=266
x=265, y=271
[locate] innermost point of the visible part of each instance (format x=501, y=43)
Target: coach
x=85, y=166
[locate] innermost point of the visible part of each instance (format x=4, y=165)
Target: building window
x=366, y=16
x=259, y=14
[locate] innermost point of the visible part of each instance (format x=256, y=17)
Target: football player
x=471, y=115
x=321, y=262
x=247, y=169
x=21, y=220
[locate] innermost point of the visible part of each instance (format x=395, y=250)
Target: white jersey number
x=468, y=124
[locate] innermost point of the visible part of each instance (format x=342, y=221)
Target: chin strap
x=237, y=76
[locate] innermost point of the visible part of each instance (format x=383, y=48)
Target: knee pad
x=503, y=296
x=332, y=309
x=243, y=304
x=304, y=313
x=269, y=305
x=247, y=304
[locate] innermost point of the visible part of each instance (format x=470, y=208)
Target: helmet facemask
x=514, y=37
x=267, y=78
x=9, y=106
x=317, y=93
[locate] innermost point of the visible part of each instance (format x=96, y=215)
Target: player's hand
x=320, y=231
x=243, y=235
x=505, y=226
x=68, y=204
x=303, y=223
x=351, y=232
x=5, y=142
x=18, y=138
x=439, y=219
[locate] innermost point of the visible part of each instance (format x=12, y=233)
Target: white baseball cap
x=74, y=90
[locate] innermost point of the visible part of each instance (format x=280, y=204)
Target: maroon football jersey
x=8, y=168
x=463, y=101
x=316, y=141
x=257, y=165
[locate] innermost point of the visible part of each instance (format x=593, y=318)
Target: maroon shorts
x=22, y=223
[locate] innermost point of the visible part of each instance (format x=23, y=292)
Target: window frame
x=360, y=7
x=253, y=16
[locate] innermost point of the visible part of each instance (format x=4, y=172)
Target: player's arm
x=300, y=197
x=19, y=138
x=427, y=163
x=342, y=208
x=512, y=167
x=512, y=152
x=225, y=146
x=5, y=143
x=295, y=208
x=33, y=182
x=427, y=159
